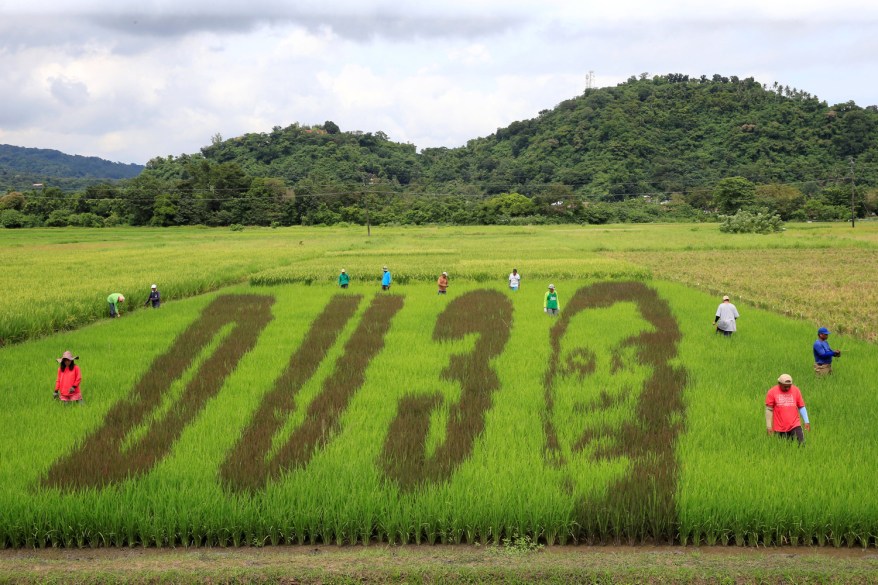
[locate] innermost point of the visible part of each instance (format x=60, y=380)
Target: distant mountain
x=21, y=167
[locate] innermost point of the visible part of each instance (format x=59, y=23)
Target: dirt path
x=443, y=564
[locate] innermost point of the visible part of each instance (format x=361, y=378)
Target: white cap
x=444, y=274
x=551, y=286
x=153, y=286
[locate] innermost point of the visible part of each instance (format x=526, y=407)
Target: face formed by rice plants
x=614, y=401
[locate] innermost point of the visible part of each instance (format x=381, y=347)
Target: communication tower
x=589, y=80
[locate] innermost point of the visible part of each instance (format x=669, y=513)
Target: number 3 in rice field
x=488, y=314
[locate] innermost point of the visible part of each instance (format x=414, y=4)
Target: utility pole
x=853, y=192
x=366, y=207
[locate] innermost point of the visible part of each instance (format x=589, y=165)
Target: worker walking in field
x=113, y=300
x=386, y=279
x=514, y=280
x=783, y=407
x=155, y=297
x=823, y=354
x=69, y=377
x=726, y=317
x=343, y=279
x=442, y=283
x=550, y=302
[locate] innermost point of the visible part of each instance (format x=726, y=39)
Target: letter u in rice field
x=614, y=404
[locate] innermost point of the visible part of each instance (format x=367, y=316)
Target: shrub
x=12, y=218
x=746, y=222
x=58, y=218
x=236, y=227
x=86, y=220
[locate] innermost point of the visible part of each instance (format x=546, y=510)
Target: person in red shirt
x=69, y=377
x=783, y=407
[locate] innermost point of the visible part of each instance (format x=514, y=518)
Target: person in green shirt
x=114, y=300
x=343, y=279
x=550, y=303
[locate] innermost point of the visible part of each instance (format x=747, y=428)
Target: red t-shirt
x=786, y=407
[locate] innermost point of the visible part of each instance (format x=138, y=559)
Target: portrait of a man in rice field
x=613, y=398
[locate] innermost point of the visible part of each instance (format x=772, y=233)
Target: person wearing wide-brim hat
x=113, y=300
x=550, y=303
x=69, y=378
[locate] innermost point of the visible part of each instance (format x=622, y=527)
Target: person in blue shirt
x=386, y=279
x=155, y=297
x=823, y=354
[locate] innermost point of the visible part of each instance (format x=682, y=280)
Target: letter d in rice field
x=614, y=408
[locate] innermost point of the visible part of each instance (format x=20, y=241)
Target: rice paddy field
x=262, y=405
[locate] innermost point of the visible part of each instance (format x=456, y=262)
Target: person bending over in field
x=550, y=303
x=823, y=354
x=386, y=279
x=726, y=317
x=113, y=300
x=514, y=280
x=69, y=377
x=155, y=297
x=343, y=279
x=783, y=407
x=443, y=283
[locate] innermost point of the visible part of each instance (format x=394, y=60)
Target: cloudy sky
x=129, y=81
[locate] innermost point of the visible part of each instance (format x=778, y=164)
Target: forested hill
x=669, y=148
x=21, y=167
x=664, y=134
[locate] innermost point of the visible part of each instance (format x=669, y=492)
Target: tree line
x=665, y=148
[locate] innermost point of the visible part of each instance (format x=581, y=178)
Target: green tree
x=13, y=200
x=733, y=193
x=510, y=205
x=784, y=200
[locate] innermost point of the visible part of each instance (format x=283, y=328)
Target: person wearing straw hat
x=113, y=300
x=155, y=297
x=784, y=406
x=726, y=318
x=386, y=279
x=442, y=283
x=343, y=279
x=69, y=377
x=550, y=302
x=823, y=354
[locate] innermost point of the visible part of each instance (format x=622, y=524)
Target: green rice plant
x=658, y=423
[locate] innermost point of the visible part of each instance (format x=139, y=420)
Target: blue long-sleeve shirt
x=822, y=352
x=385, y=280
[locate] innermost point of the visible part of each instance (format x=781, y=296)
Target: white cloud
x=132, y=81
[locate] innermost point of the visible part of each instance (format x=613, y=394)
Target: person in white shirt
x=726, y=317
x=514, y=279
